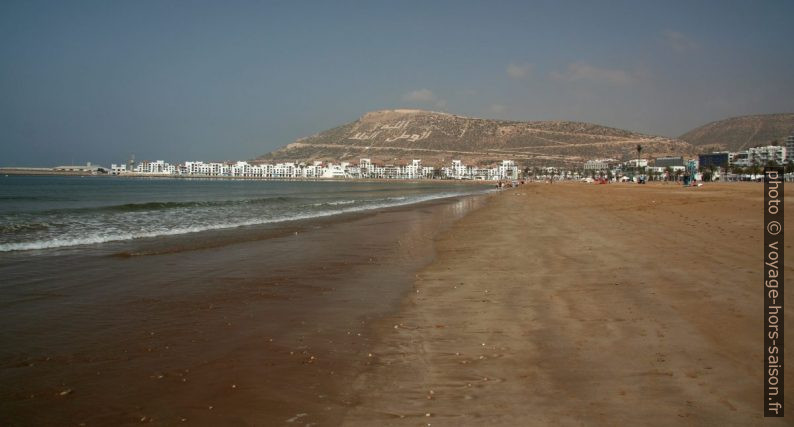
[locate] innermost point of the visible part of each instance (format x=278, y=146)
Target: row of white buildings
x=507, y=169
x=755, y=156
x=760, y=156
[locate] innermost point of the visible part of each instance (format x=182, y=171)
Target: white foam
x=105, y=238
x=336, y=203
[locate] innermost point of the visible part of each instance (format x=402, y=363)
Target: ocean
x=56, y=212
x=128, y=300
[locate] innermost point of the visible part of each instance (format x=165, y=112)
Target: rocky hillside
x=401, y=135
x=741, y=133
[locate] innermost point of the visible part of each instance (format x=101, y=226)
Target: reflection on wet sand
x=270, y=326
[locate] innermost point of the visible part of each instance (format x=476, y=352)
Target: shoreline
x=542, y=304
x=257, y=331
x=600, y=305
x=221, y=235
x=31, y=172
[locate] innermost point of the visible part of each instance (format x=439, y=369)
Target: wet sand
x=580, y=304
x=255, y=326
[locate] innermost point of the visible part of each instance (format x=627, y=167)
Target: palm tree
x=639, y=150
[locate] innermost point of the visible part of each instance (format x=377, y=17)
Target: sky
x=229, y=80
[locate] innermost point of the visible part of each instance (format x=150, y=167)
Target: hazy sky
x=226, y=80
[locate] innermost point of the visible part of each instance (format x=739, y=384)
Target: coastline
x=575, y=304
x=49, y=172
x=261, y=329
x=218, y=209
x=543, y=304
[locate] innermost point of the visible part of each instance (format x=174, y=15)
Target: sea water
x=231, y=309
x=44, y=212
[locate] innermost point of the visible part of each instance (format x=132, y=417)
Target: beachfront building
x=598, y=165
x=352, y=170
x=335, y=171
x=284, y=170
x=714, y=160
x=193, y=168
x=662, y=165
x=456, y=171
x=507, y=169
x=243, y=169
x=118, y=169
x=761, y=156
x=391, y=171
x=790, y=148
x=413, y=170
x=428, y=172
x=159, y=167
x=314, y=170
x=378, y=171
x=739, y=159
x=635, y=163
x=365, y=168
x=368, y=169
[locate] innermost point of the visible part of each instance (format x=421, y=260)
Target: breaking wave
x=99, y=237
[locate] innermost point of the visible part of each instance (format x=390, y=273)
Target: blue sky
x=225, y=80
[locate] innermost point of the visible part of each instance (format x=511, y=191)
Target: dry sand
x=580, y=304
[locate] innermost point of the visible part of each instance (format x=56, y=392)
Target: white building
x=365, y=168
x=598, y=164
x=413, y=170
x=335, y=171
x=643, y=163
x=159, y=167
x=457, y=170
x=663, y=169
x=507, y=170
x=118, y=169
x=762, y=156
x=740, y=159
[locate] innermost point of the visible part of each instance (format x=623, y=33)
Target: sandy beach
x=563, y=304
x=579, y=304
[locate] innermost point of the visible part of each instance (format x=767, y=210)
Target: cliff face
x=741, y=133
x=401, y=135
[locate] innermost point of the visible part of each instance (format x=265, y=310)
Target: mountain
x=741, y=133
x=401, y=135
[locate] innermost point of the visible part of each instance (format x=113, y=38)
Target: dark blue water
x=55, y=212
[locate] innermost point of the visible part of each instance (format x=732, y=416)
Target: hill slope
x=400, y=135
x=741, y=133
